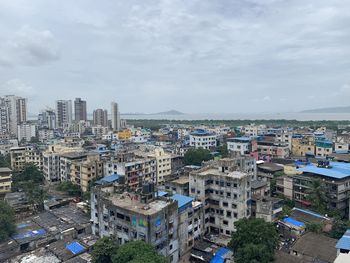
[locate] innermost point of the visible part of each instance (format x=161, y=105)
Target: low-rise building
x=5, y=180
x=20, y=156
x=203, y=139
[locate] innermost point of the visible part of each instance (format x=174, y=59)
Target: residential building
x=20, y=156
x=136, y=216
x=272, y=149
x=124, y=135
x=178, y=186
x=80, y=113
x=115, y=116
x=163, y=164
x=303, y=145
x=342, y=143
x=17, y=110
x=83, y=172
x=241, y=145
x=51, y=161
x=66, y=161
x=26, y=131
x=99, y=131
x=100, y=117
x=45, y=135
x=4, y=117
x=6, y=145
x=5, y=180
x=253, y=130
x=63, y=113
x=203, y=139
x=225, y=190
x=47, y=119
x=323, y=148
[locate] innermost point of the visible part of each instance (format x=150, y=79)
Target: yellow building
x=5, y=180
x=303, y=145
x=124, y=135
x=20, y=156
x=83, y=172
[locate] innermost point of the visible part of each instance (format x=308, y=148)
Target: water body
x=244, y=116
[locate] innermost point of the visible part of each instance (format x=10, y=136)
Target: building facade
x=100, y=117
x=115, y=116
x=63, y=113
x=80, y=113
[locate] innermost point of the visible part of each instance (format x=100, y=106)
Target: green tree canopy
x=70, y=188
x=104, y=249
x=5, y=161
x=339, y=228
x=317, y=196
x=253, y=253
x=197, y=156
x=7, y=221
x=138, y=252
x=255, y=233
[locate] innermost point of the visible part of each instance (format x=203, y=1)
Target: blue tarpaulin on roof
x=75, y=248
x=293, y=221
x=29, y=234
x=344, y=242
x=107, y=179
x=219, y=255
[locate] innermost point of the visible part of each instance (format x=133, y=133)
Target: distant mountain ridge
x=170, y=112
x=329, y=110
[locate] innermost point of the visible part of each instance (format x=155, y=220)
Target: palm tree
x=317, y=196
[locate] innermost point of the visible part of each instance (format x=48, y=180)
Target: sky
x=195, y=56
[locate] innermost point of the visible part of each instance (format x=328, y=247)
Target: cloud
x=17, y=87
x=30, y=47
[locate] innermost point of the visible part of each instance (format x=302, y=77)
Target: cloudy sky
x=196, y=56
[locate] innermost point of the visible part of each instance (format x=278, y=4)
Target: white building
x=202, y=139
x=47, y=119
x=163, y=164
x=26, y=132
x=17, y=111
x=46, y=134
x=99, y=131
x=241, y=145
x=4, y=118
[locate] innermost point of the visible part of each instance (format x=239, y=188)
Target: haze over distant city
x=196, y=56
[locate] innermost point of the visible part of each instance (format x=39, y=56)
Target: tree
x=253, y=253
x=255, y=233
x=315, y=227
x=30, y=173
x=197, y=156
x=7, y=221
x=317, y=196
x=5, y=161
x=70, y=188
x=339, y=228
x=138, y=252
x=104, y=249
x=223, y=150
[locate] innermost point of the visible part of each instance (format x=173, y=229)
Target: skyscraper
x=80, y=110
x=47, y=119
x=63, y=112
x=4, y=118
x=17, y=111
x=100, y=117
x=115, y=116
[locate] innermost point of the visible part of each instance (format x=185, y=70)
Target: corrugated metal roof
x=182, y=200
x=344, y=242
x=338, y=170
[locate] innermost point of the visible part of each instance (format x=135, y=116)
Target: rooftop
x=216, y=171
x=183, y=201
x=202, y=133
x=5, y=170
x=107, y=179
x=338, y=170
x=344, y=242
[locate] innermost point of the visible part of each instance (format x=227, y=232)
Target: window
x=228, y=232
x=228, y=194
x=234, y=206
x=228, y=184
x=225, y=204
x=228, y=213
x=225, y=222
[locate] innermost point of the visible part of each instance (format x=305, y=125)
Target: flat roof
x=5, y=169
x=182, y=200
x=338, y=170
x=216, y=171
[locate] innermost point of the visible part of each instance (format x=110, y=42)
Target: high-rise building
x=63, y=112
x=17, y=111
x=26, y=131
x=47, y=119
x=115, y=116
x=80, y=110
x=4, y=118
x=100, y=117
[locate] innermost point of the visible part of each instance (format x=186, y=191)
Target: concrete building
x=100, y=117
x=178, y=186
x=225, y=190
x=115, y=116
x=4, y=117
x=47, y=119
x=342, y=143
x=6, y=145
x=80, y=113
x=272, y=149
x=5, y=180
x=51, y=161
x=99, y=131
x=203, y=139
x=303, y=145
x=45, y=135
x=83, y=172
x=323, y=148
x=132, y=216
x=26, y=131
x=163, y=164
x=241, y=145
x=17, y=110
x=66, y=161
x=20, y=156
x=63, y=113
x=254, y=130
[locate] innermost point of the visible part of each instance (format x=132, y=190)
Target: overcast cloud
x=218, y=56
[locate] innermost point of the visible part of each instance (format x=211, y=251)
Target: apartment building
x=163, y=164
x=83, y=172
x=5, y=180
x=20, y=156
x=63, y=113
x=26, y=131
x=51, y=161
x=99, y=131
x=225, y=190
x=45, y=135
x=323, y=148
x=47, y=119
x=136, y=216
x=203, y=139
x=80, y=113
x=100, y=117
x=342, y=143
x=241, y=145
x=4, y=117
x=303, y=145
x=66, y=161
x=17, y=111
x=254, y=130
x=272, y=149
x=124, y=135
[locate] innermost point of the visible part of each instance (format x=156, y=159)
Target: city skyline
x=220, y=57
